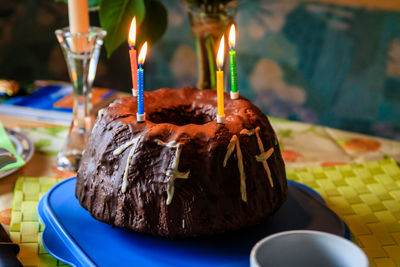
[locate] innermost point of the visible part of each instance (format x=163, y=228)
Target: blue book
x=51, y=103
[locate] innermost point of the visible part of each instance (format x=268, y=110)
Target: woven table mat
x=25, y=228
x=366, y=196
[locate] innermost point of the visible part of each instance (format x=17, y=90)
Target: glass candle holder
x=81, y=53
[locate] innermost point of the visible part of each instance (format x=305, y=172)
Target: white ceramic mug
x=306, y=248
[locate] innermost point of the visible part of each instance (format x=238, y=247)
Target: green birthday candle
x=232, y=60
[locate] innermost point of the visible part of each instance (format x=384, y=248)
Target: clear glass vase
x=208, y=23
x=81, y=53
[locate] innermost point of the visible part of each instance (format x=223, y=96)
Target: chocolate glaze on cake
x=180, y=173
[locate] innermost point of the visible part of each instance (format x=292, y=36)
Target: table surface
x=302, y=145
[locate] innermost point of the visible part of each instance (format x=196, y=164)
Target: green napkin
x=6, y=143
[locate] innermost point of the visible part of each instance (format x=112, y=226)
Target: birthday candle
x=232, y=60
x=220, y=82
x=140, y=115
x=132, y=55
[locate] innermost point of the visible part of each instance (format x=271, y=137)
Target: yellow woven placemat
x=25, y=228
x=366, y=196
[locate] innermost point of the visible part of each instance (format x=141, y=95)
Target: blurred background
x=333, y=63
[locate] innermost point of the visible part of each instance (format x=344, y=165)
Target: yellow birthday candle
x=220, y=81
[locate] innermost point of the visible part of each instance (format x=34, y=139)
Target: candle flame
x=142, y=54
x=232, y=37
x=132, y=33
x=220, y=56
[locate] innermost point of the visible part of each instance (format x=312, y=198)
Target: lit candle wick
x=132, y=34
x=232, y=37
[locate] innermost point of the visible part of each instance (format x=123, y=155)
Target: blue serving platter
x=73, y=236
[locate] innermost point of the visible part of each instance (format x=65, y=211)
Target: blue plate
x=73, y=236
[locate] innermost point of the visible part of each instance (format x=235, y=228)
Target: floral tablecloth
x=303, y=146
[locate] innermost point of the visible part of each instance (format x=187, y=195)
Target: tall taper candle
x=220, y=82
x=78, y=15
x=140, y=115
x=232, y=59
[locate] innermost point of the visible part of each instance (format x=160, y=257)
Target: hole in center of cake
x=182, y=115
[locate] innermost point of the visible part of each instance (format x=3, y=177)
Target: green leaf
x=115, y=17
x=154, y=24
x=92, y=3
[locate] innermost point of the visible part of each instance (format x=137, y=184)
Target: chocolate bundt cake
x=180, y=173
